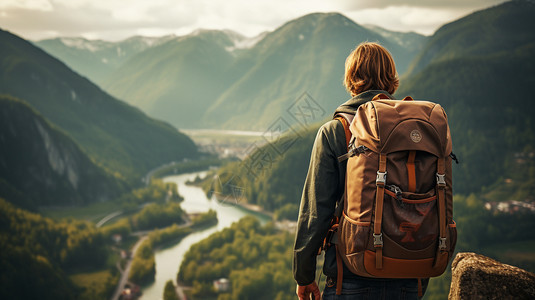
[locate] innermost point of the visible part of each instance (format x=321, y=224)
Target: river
x=168, y=260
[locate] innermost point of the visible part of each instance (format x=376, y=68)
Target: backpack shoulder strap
x=345, y=119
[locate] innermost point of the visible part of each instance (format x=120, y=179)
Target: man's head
x=370, y=67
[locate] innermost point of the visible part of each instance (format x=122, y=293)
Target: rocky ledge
x=476, y=276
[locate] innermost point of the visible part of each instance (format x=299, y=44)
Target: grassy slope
x=178, y=80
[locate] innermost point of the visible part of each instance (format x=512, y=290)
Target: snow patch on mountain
x=404, y=39
x=245, y=42
x=83, y=44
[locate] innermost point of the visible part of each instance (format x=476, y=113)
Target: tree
x=169, y=292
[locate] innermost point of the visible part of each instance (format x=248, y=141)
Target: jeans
x=372, y=288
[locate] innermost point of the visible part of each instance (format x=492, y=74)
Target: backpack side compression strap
x=377, y=234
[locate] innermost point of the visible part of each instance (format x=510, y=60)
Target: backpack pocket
x=410, y=219
x=354, y=235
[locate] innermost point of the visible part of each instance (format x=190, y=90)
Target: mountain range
x=96, y=59
x=221, y=79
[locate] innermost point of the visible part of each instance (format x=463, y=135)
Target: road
x=124, y=276
x=109, y=217
x=180, y=292
x=148, y=176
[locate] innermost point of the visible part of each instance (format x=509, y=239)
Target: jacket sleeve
x=323, y=187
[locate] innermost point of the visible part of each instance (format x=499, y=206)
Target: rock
x=476, y=276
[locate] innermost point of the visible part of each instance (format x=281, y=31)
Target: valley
x=183, y=158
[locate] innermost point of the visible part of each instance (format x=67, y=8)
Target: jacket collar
x=351, y=105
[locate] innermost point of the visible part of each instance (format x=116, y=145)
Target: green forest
x=37, y=252
x=256, y=259
x=75, y=253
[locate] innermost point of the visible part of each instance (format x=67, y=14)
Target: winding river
x=168, y=260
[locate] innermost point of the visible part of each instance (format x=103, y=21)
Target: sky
x=115, y=20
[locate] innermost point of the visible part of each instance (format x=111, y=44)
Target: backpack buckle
x=381, y=178
x=378, y=240
x=441, y=180
x=362, y=149
x=442, y=244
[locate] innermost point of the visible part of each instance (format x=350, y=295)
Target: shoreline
x=243, y=204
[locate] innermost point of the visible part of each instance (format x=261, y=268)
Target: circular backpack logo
x=416, y=136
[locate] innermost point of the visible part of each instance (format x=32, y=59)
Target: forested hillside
x=483, y=89
x=41, y=165
x=178, y=80
x=36, y=251
x=117, y=137
x=481, y=34
x=256, y=259
x=269, y=178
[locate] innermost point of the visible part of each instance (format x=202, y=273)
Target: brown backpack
x=396, y=220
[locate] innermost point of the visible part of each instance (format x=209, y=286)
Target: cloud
x=93, y=19
x=430, y=4
x=119, y=19
x=43, y=5
x=406, y=18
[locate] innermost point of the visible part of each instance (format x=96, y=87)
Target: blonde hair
x=370, y=67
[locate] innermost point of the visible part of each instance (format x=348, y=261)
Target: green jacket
x=324, y=186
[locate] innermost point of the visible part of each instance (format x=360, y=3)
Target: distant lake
x=168, y=260
x=194, y=132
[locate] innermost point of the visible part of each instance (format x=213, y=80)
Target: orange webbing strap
x=346, y=129
x=441, y=184
x=420, y=291
x=377, y=235
x=411, y=171
x=340, y=272
x=380, y=96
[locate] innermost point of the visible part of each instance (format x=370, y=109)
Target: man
x=369, y=71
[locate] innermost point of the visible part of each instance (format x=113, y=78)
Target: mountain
x=177, y=81
x=306, y=54
x=412, y=41
x=481, y=83
x=483, y=33
x=41, y=163
x=97, y=59
x=116, y=136
x=220, y=79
